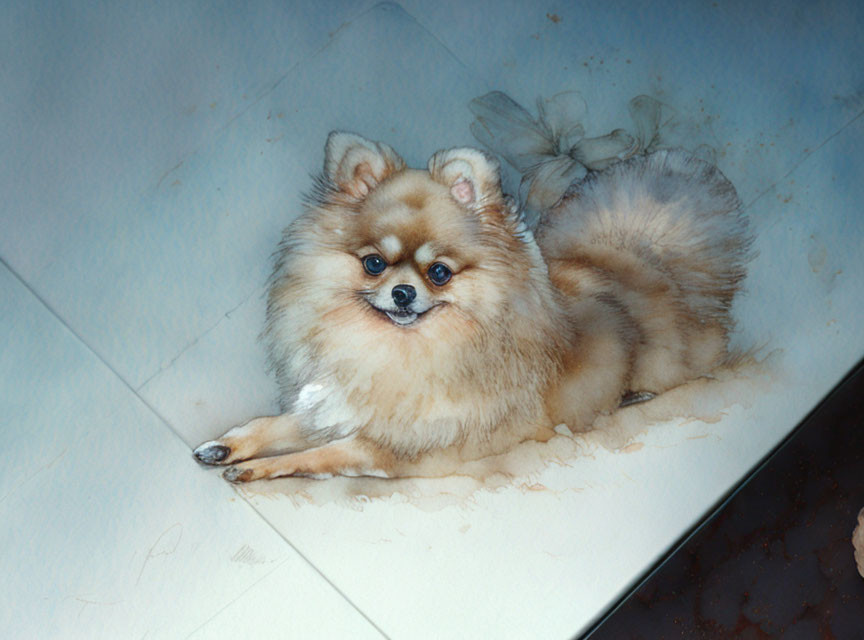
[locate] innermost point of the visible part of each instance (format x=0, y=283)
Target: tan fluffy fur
x=626, y=288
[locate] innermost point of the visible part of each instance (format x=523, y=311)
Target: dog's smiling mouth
x=403, y=317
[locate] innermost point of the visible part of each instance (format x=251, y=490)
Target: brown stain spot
x=817, y=256
x=536, y=486
x=632, y=447
x=554, y=17
x=415, y=199
x=707, y=419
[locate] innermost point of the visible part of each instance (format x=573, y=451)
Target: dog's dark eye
x=439, y=273
x=374, y=264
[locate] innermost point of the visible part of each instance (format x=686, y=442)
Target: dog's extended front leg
x=348, y=457
x=271, y=434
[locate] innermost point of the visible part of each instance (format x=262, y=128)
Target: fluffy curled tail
x=648, y=244
x=633, y=191
x=673, y=213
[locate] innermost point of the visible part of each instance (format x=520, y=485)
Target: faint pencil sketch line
x=235, y=599
x=33, y=475
x=150, y=554
x=809, y=154
x=192, y=343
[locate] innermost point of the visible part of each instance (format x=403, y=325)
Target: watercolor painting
x=153, y=156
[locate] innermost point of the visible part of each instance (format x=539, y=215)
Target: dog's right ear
x=355, y=165
x=474, y=177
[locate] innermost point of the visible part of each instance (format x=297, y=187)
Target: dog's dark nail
x=211, y=453
x=635, y=397
x=236, y=474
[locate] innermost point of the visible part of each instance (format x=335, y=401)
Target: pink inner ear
x=463, y=191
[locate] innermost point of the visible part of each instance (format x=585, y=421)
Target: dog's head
x=439, y=251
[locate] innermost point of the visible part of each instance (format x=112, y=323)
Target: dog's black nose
x=404, y=294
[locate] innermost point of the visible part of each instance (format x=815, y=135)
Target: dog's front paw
x=212, y=453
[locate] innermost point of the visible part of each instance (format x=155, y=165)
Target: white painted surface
x=110, y=530
x=151, y=157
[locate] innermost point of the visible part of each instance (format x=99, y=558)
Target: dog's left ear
x=473, y=177
x=355, y=165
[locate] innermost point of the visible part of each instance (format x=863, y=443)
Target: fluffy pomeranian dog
x=414, y=322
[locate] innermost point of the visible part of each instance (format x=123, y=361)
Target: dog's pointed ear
x=473, y=177
x=355, y=165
